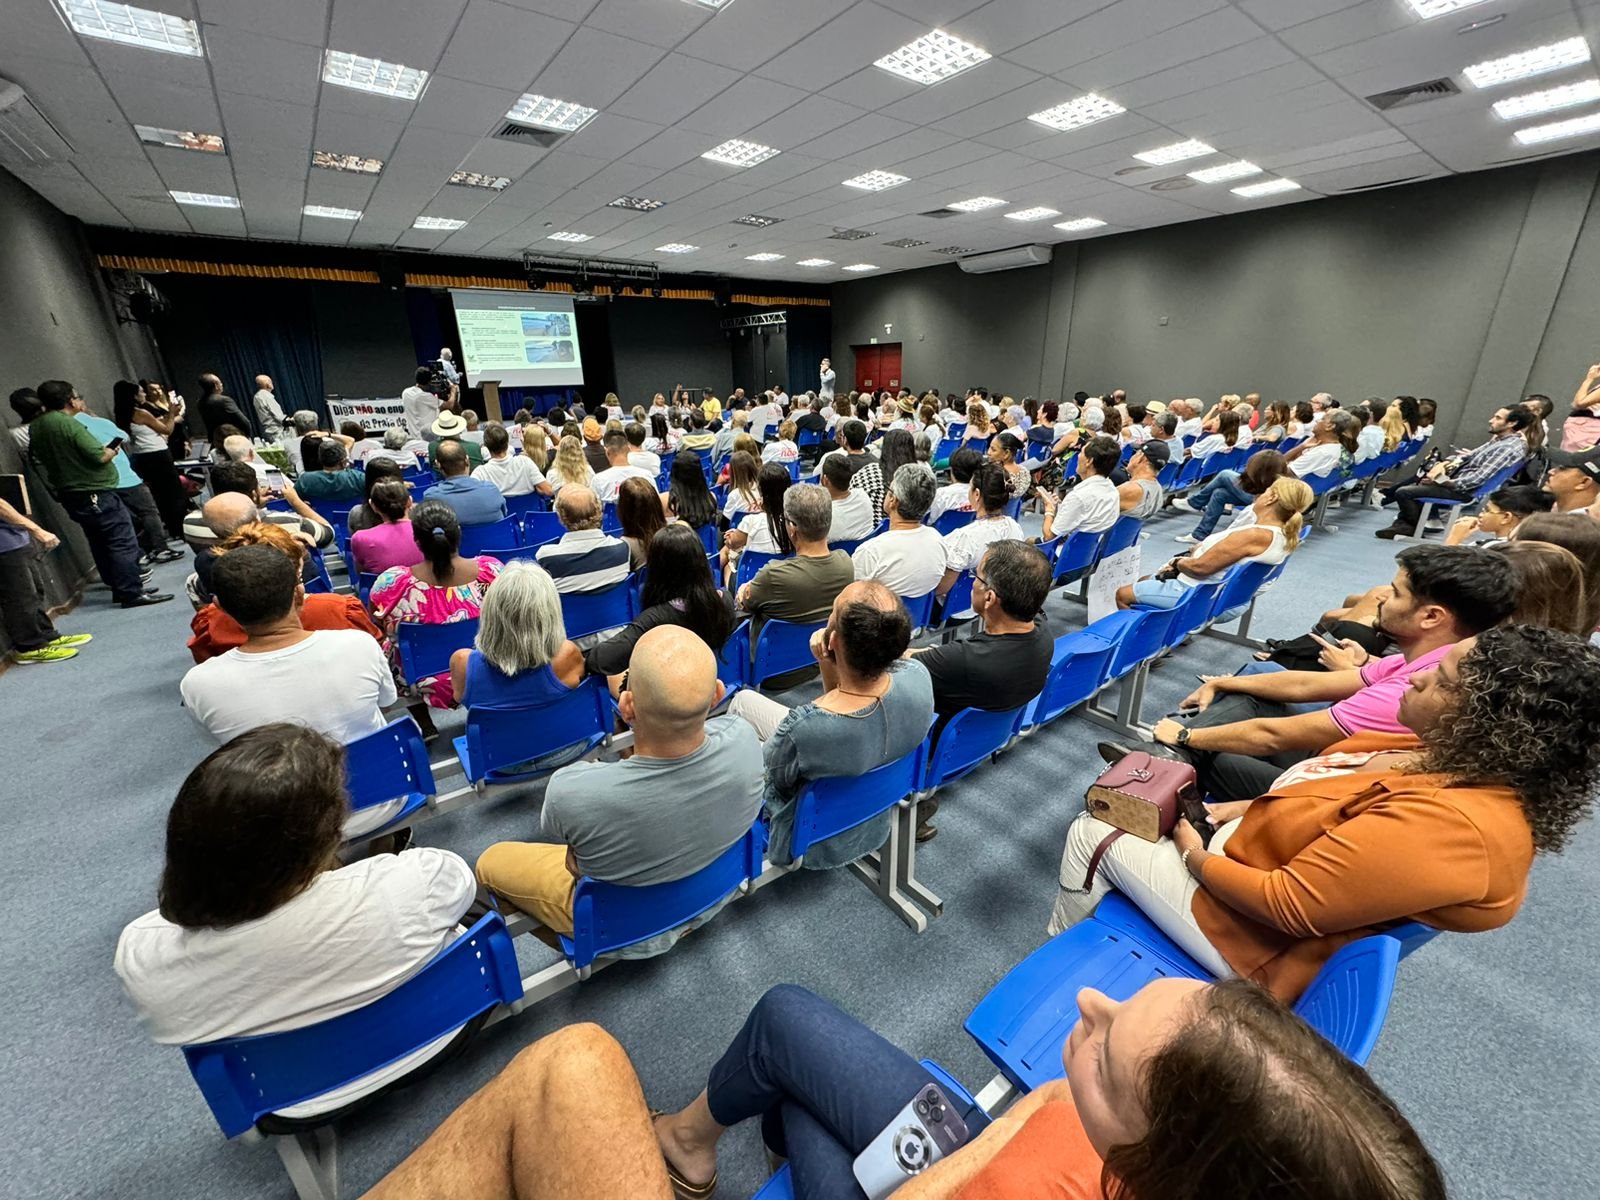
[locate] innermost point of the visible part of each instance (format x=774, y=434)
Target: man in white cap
x=451, y=426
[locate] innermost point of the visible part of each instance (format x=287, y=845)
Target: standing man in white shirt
x=1092, y=504
x=826, y=378
x=447, y=363
x=514, y=476
x=268, y=411
x=764, y=417
x=608, y=483
x=421, y=407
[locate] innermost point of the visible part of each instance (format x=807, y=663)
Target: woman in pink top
x=440, y=590
x=391, y=542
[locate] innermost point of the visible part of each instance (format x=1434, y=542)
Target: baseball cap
x=1157, y=452
x=1587, y=461
x=449, y=425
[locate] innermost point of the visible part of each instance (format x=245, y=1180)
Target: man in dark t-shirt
x=1005, y=664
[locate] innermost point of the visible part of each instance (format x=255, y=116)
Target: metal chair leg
x=906, y=868
x=311, y=1159
x=879, y=871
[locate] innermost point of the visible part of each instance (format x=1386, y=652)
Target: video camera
x=437, y=383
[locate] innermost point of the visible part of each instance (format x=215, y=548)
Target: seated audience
x=763, y=530
x=852, y=518
x=586, y=558
x=1238, y=488
x=956, y=496
x=224, y=515
x=1446, y=836
x=1503, y=510
x=1219, y=435
x=1002, y=453
x=335, y=479
x=802, y=587
x=638, y=456
x=239, y=479
x=852, y=438
x=731, y=428
x=908, y=558
x=1247, y=729
x=894, y=450
x=517, y=475
x=260, y=929
x=390, y=543
x=1328, y=448
x=378, y=470
x=743, y=494
x=396, y=447
x=1574, y=481
x=639, y=513
x=700, y=436
x=876, y=706
x=441, y=589
x=452, y=427
x=1458, y=477
x=687, y=497
x=474, y=501
x=1092, y=504
x=678, y=590
x=1270, y=538
x=1580, y=535
x=691, y=789
x=1142, y=496
x=1551, y=589
x=535, y=445
x=608, y=482
x=964, y=547
x=782, y=449
x=570, y=465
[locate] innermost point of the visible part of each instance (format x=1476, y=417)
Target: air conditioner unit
x=27, y=138
x=1006, y=260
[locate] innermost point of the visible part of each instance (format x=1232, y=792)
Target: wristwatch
x=1183, y=735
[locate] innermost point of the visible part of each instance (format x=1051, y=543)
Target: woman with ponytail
x=441, y=589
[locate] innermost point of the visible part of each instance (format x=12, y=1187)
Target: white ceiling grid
x=1278, y=82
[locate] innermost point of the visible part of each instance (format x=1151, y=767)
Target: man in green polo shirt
x=82, y=475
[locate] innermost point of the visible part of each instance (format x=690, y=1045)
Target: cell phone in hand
x=1324, y=641
x=923, y=1132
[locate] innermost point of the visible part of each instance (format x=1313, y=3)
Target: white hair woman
x=521, y=653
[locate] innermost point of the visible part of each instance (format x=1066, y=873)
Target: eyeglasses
x=979, y=579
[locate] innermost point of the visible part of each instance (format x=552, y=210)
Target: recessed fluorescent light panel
x=953, y=251
x=1439, y=8
x=1033, y=214
x=815, y=262
x=437, y=223
x=877, y=181
x=1225, y=172
x=330, y=161
x=373, y=75
x=132, y=26
x=333, y=214
x=862, y=267
x=976, y=204
x=1541, y=59
x=764, y=257
x=740, y=154
x=1165, y=156
x=1267, y=187
x=570, y=237
x=907, y=243
x=636, y=203
x=757, y=220
x=1079, y=225
x=180, y=139
x=497, y=183
x=1574, y=127
x=1085, y=110
x=931, y=58
x=205, y=199
x=1531, y=104
x=544, y=112
x=676, y=248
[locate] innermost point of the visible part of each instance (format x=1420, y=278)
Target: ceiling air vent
x=907, y=243
x=1372, y=187
x=27, y=138
x=512, y=132
x=849, y=235
x=1173, y=185
x=939, y=214
x=1416, y=93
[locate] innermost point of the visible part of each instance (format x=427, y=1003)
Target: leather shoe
x=1389, y=534
x=1113, y=752
x=147, y=598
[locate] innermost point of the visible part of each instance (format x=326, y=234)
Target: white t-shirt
x=646, y=460
x=952, y=497
x=1212, y=443
x=852, y=517
x=1369, y=442
x=1190, y=427
x=609, y=482
x=736, y=504
x=754, y=527
x=1316, y=460
x=780, y=451
x=909, y=562
x=763, y=417
x=353, y=936
x=513, y=476
x=406, y=459
x=335, y=681
x=965, y=546
x=421, y=410
x=1092, y=504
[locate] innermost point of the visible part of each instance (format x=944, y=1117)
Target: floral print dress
x=399, y=596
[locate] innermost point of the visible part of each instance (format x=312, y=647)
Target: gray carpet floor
x=1490, y=1047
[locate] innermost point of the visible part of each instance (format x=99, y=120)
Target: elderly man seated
x=474, y=501
x=691, y=789
x=335, y=479
x=238, y=478
x=908, y=558
x=586, y=559
x=876, y=707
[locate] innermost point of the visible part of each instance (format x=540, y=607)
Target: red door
x=877, y=366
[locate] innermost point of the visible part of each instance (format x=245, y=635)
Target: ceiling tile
x=747, y=103
x=456, y=106
x=744, y=36
x=848, y=43
x=296, y=20
x=503, y=44
x=256, y=65
x=413, y=34
x=1003, y=25
x=662, y=25
x=595, y=67
x=1125, y=23
x=673, y=89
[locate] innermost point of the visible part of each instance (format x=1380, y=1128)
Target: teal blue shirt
x=107, y=432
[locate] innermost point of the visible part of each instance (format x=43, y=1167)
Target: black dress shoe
x=1389, y=534
x=147, y=598
x=1114, y=752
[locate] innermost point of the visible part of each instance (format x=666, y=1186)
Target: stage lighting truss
x=585, y=274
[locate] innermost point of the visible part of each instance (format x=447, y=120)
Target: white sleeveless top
x=1277, y=550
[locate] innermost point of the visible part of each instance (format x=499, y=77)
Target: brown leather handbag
x=1144, y=795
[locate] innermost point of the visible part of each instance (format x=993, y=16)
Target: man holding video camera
x=422, y=401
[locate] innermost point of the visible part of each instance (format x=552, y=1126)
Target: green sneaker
x=70, y=639
x=47, y=654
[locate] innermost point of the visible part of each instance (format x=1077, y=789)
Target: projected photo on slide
x=519, y=339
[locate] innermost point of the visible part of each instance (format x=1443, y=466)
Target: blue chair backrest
x=826, y=807
x=607, y=917
x=947, y=447
x=953, y=520
x=425, y=650
x=590, y=612
x=751, y=562
x=1348, y=1000
x=334, y=512
x=1013, y=508
x=1325, y=482
x=1240, y=583
x=1213, y=463
x=540, y=527
x=981, y=445
x=1193, y=611
x=958, y=600
x=1189, y=473
x=1287, y=444
x=782, y=646
x=323, y=581
x=1139, y=639
x=1128, y=452
x=245, y=1078
x=364, y=582
x=418, y=477
x=1119, y=537
x=920, y=608
x=609, y=521
x=710, y=537
x=503, y=737
x=386, y=764
x=533, y=502
x=969, y=738
x=733, y=662
x=1495, y=481
x=809, y=437
x=849, y=545
x=705, y=460
x=1078, y=553
x=794, y=470
x=476, y=539
x=1167, y=477
x=1078, y=670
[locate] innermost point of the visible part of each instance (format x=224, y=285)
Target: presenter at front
x=825, y=381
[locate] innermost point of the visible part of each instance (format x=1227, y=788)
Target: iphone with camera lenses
x=924, y=1131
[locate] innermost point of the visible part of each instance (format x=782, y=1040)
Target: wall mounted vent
x=849, y=235
x=27, y=138
x=939, y=214
x=1416, y=93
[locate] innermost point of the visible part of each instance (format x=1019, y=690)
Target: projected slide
x=520, y=339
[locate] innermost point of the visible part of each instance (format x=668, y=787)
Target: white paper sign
x=1120, y=570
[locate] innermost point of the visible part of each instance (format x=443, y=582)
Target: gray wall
x=656, y=344
x=59, y=325
x=1472, y=290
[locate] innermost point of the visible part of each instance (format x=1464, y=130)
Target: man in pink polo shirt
x=1251, y=727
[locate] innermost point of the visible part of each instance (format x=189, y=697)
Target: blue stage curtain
x=270, y=329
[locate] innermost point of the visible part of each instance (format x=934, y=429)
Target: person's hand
x=46, y=539
x=819, y=646
x=1464, y=528
x=743, y=596
x=1185, y=838
x=1166, y=731
x=1200, y=699
x=1218, y=815
x=1592, y=374
x=1347, y=657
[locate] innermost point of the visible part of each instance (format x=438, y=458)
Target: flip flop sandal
x=681, y=1187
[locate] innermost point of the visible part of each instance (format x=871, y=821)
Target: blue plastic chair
x=1191, y=612
x=733, y=661
x=1138, y=635
x=953, y=520
x=1077, y=554
x=1079, y=666
x=1240, y=584
x=710, y=537
x=590, y=612
x=750, y=563
x=1013, y=508
x=425, y=650
x=389, y=764
x=1121, y=535
x=958, y=601
x=608, y=917
x=782, y=646
x=793, y=466
x=364, y=582
x=920, y=608
x=971, y=737
x=538, y=528
x=829, y=806
x=849, y=546
x=1188, y=474
x=521, y=506
x=323, y=582
x=609, y=521
x=497, y=738
x=947, y=447
x=479, y=539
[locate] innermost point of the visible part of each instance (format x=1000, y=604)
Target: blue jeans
x=108, y=528
x=823, y=1084
x=1221, y=491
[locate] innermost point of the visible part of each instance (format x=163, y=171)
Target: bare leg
x=566, y=1119
x=688, y=1139
x=1125, y=596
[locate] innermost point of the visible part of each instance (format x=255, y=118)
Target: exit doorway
x=877, y=366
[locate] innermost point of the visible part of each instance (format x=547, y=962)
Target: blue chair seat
x=1078, y=669
x=828, y=807
x=590, y=612
x=733, y=660
x=425, y=650
x=499, y=740
x=1076, y=554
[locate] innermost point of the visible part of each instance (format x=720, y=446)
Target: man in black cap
x=1574, y=480
x=1142, y=496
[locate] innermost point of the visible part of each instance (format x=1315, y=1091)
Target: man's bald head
x=238, y=448
x=672, y=679
x=869, y=628
x=225, y=513
x=263, y=383
x=578, y=507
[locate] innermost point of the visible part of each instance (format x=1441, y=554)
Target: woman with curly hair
x=1440, y=828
